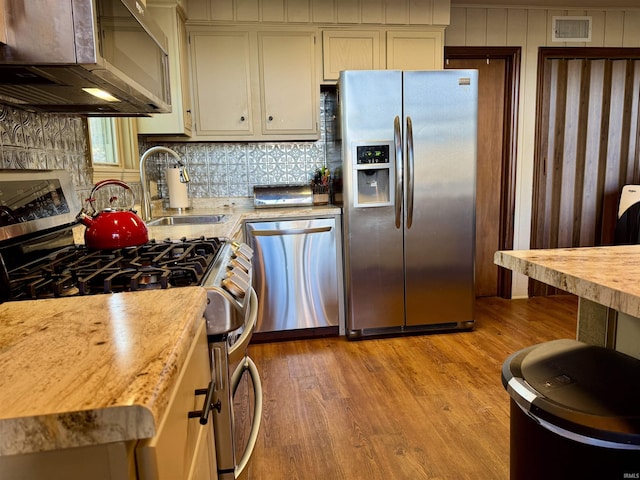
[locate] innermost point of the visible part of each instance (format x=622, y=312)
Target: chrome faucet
x=146, y=196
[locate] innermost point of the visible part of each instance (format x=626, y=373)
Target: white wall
x=530, y=28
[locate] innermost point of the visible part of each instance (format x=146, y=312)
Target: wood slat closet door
x=587, y=146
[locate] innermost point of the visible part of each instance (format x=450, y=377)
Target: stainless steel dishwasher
x=297, y=275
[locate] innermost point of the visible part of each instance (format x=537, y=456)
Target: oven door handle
x=238, y=349
x=248, y=366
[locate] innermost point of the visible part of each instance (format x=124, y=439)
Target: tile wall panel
x=45, y=141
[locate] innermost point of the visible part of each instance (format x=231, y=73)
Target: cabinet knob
x=270, y=118
x=242, y=118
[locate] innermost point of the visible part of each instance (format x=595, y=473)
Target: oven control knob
x=242, y=250
x=239, y=262
x=235, y=285
x=241, y=273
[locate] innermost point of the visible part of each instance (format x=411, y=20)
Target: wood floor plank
x=418, y=407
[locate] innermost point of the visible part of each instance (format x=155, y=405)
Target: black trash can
x=575, y=412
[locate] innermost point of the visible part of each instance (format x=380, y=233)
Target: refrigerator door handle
x=410, y=172
x=397, y=141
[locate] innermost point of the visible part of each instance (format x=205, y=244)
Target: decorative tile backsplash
x=232, y=169
x=44, y=141
x=48, y=141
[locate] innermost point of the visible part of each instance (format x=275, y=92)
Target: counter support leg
x=596, y=324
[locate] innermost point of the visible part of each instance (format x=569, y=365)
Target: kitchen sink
x=187, y=220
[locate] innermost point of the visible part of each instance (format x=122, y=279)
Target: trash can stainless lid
x=581, y=388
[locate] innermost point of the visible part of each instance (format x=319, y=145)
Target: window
x=114, y=149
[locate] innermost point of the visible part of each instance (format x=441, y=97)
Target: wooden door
x=587, y=146
x=495, y=182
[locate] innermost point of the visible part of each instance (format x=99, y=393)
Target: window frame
x=125, y=145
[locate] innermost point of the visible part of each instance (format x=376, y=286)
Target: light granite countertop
x=606, y=275
x=99, y=369
x=236, y=211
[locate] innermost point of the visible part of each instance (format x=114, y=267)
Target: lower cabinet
x=182, y=448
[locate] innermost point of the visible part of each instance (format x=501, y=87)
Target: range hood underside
x=58, y=89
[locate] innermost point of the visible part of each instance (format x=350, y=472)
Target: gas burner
x=78, y=271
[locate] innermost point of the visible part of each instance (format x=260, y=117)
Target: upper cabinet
x=350, y=50
x=396, y=49
x=415, y=50
x=221, y=72
x=171, y=18
x=289, y=86
x=251, y=84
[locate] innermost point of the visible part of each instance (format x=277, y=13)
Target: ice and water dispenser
x=373, y=174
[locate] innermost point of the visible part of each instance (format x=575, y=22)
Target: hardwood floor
x=417, y=407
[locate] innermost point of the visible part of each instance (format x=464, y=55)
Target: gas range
x=38, y=257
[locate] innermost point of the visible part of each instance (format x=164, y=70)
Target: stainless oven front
x=235, y=378
x=231, y=364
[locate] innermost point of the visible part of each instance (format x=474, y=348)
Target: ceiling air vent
x=571, y=29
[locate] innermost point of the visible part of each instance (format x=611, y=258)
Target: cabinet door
x=178, y=122
x=204, y=460
x=288, y=83
x=181, y=441
x=349, y=50
x=221, y=69
x=423, y=50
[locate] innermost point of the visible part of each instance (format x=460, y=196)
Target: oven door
x=238, y=411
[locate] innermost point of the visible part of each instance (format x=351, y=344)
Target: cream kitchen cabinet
x=171, y=18
x=381, y=49
x=350, y=50
x=415, y=50
x=254, y=85
x=182, y=448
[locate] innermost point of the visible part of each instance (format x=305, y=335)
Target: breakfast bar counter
x=606, y=280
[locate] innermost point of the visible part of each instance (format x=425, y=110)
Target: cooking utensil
x=112, y=228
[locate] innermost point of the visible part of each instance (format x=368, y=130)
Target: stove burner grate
x=78, y=271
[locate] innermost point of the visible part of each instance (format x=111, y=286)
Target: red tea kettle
x=113, y=227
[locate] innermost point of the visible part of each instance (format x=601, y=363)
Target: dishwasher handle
x=290, y=231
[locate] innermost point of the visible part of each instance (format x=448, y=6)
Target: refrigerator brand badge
x=464, y=81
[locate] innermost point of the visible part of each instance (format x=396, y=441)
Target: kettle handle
x=110, y=181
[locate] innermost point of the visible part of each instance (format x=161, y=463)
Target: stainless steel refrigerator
x=408, y=186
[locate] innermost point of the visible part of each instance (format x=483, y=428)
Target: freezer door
x=374, y=276
x=439, y=244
